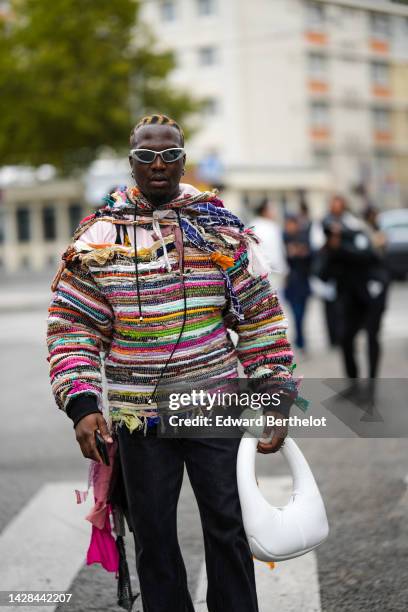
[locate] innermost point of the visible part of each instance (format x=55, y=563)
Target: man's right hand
x=85, y=435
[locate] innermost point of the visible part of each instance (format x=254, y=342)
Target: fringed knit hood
x=205, y=223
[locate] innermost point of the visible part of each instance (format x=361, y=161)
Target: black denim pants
x=153, y=472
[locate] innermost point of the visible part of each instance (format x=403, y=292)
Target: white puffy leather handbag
x=279, y=533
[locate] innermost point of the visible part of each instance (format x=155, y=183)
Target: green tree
x=74, y=75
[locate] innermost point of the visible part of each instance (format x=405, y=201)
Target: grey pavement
x=25, y=291
x=362, y=566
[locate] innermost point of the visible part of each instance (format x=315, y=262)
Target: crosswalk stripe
x=43, y=547
x=292, y=585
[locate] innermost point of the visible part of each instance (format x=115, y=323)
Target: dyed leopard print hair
x=159, y=120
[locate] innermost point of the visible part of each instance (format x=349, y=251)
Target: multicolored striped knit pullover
x=95, y=307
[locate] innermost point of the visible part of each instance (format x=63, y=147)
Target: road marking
x=292, y=585
x=44, y=546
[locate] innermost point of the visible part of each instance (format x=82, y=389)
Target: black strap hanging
x=126, y=598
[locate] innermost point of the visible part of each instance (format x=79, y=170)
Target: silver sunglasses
x=146, y=156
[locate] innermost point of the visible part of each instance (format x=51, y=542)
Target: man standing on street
x=152, y=280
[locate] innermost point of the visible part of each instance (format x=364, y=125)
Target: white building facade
x=37, y=221
x=300, y=95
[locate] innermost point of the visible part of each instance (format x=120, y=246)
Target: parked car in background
x=394, y=224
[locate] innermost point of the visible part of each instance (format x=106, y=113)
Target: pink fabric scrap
x=102, y=547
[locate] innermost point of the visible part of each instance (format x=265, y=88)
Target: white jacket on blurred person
x=272, y=248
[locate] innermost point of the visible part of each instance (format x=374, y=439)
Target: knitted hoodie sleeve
x=79, y=328
x=263, y=347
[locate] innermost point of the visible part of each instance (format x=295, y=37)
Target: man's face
x=337, y=206
x=291, y=226
x=158, y=181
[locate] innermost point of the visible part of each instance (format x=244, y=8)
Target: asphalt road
x=362, y=566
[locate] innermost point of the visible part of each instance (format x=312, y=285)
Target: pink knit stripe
x=72, y=363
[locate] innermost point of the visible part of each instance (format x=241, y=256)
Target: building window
x=322, y=158
x=207, y=56
x=319, y=115
x=315, y=15
x=383, y=166
x=380, y=74
x=206, y=7
x=168, y=10
x=380, y=25
x=382, y=119
x=74, y=215
x=49, y=223
x=23, y=224
x=211, y=107
x=317, y=65
x=347, y=12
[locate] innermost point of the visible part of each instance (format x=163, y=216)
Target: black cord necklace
x=136, y=268
x=183, y=324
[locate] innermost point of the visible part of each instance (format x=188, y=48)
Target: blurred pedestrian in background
x=340, y=215
x=298, y=255
x=337, y=218
x=355, y=260
x=304, y=212
x=267, y=228
x=378, y=237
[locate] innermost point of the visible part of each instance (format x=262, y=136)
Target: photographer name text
x=258, y=421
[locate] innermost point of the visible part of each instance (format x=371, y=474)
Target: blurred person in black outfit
x=304, y=212
x=338, y=217
x=355, y=261
x=298, y=255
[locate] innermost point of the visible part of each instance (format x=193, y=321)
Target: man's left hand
x=273, y=435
